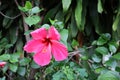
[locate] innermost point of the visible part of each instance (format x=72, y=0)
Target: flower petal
x=59, y=51
x=33, y=46
x=43, y=57
x=2, y=64
x=40, y=33
x=53, y=33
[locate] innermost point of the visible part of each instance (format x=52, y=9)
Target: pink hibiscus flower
x=2, y=64
x=44, y=44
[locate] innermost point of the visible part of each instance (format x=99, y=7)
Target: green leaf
x=19, y=44
x=117, y=56
x=5, y=68
x=5, y=57
x=51, y=13
x=3, y=42
x=103, y=39
x=94, y=18
x=66, y=4
x=117, y=69
x=78, y=13
x=21, y=71
x=34, y=10
x=52, y=21
x=32, y=20
x=83, y=72
x=13, y=67
x=99, y=69
x=102, y=50
x=23, y=9
x=3, y=78
x=6, y=21
x=106, y=36
x=14, y=57
x=114, y=43
x=96, y=58
x=69, y=47
x=59, y=15
x=12, y=34
x=94, y=42
x=112, y=48
x=64, y=36
x=99, y=6
x=27, y=32
x=110, y=75
x=68, y=71
x=111, y=63
x=34, y=65
x=83, y=14
x=47, y=26
x=59, y=25
x=74, y=43
x=73, y=27
x=25, y=61
x=8, y=46
x=28, y=5
x=58, y=76
x=116, y=22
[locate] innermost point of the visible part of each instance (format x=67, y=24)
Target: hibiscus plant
x=60, y=40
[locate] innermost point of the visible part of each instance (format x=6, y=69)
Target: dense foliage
x=89, y=28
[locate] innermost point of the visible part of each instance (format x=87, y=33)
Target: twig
x=9, y=16
x=10, y=78
x=26, y=28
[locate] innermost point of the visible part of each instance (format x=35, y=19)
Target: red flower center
x=47, y=41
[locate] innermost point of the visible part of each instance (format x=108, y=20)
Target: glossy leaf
x=28, y=5
x=104, y=38
x=100, y=6
x=78, y=13
x=6, y=21
x=73, y=27
x=102, y=50
x=58, y=75
x=101, y=41
x=13, y=67
x=111, y=63
x=83, y=72
x=12, y=35
x=34, y=10
x=112, y=48
x=116, y=23
x=66, y=4
x=21, y=71
x=25, y=61
x=32, y=20
x=3, y=78
x=96, y=58
x=117, y=56
x=5, y=57
x=74, y=43
x=34, y=65
x=51, y=13
x=14, y=57
x=109, y=76
x=64, y=36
